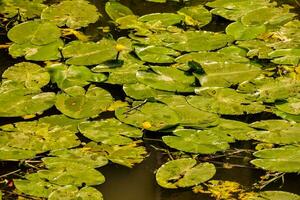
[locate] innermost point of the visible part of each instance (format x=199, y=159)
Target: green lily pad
x=74, y=14
x=275, y=195
x=116, y=10
x=27, y=9
x=34, y=32
x=35, y=137
x=286, y=56
x=29, y=74
x=158, y=115
x=167, y=78
x=189, y=116
x=196, y=141
x=70, y=192
x=224, y=101
x=89, y=53
x=84, y=156
x=227, y=74
x=195, y=40
x=35, y=186
x=291, y=106
x=235, y=9
x=195, y=15
x=162, y=19
x=61, y=121
x=156, y=54
x=242, y=32
x=275, y=16
x=37, y=52
x=184, y=172
x=140, y=91
x=73, y=174
x=16, y=100
x=77, y=103
x=276, y=132
x=269, y=89
x=283, y=159
x=109, y=131
x=65, y=76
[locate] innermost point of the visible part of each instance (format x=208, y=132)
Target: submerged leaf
x=184, y=173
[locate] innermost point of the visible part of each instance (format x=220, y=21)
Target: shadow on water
x=139, y=182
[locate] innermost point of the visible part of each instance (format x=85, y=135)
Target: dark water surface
x=139, y=182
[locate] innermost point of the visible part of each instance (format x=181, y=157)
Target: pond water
x=138, y=183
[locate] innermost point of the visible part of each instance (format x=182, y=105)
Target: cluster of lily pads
x=177, y=77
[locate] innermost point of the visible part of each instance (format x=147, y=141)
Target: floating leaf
x=27, y=9
x=34, y=185
x=77, y=103
x=243, y=32
x=227, y=74
x=109, y=131
x=89, y=53
x=74, y=14
x=156, y=54
x=269, y=89
x=189, y=116
x=16, y=100
x=70, y=192
x=35, y=52
x=224, y=101
x=65, y=76
x=116, y=10
x=167, y=78
x=162, y=19
x=283, y=159
x=196, y=141
x=184, y=172
x=73, y=174
x=29, y=74
x=276, y=131
x=195, y=15
x=158, y=115
x=34, y=32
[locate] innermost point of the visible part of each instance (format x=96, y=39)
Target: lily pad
x=89, y=53
x=37, y=52
x=74, y=14
x=30, y=74
x=269, y=89
x=156, y=54
x=70, y=192
x=243, y=32
x=34, y=32
x=189, y=116
x=162, y=19
x=75, y=174
x=65, y=76
x=224, y=101
x=16, y=100
x=116, y=10
x=184, y=172
x=275, y=195
x=84, y=156
x=283, y=159
x=77, y=103
x=195, y=15
x=109, y=131
x=197, y=141
x=158, y=115
x=227, y=74
x=167, y=78
x=35, y=186
x=27, y=9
